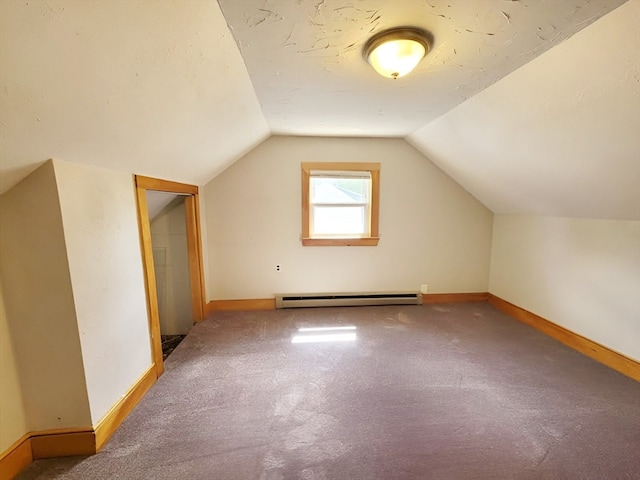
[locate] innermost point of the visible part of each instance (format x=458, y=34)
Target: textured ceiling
x=305, y=57
x=531, y=105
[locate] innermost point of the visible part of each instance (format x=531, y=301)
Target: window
x=340, y=203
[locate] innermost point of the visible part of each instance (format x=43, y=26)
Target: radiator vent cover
x=297, y=300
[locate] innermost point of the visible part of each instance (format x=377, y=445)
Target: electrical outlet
x=277, y=268
x=424, y=288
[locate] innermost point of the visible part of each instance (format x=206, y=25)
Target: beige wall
x=171, y=261
x=103, y=247
x=432, y=231
x=75, y=335
x=581, y=274
x=39, y=304
x=204, y=239
x=13, y=417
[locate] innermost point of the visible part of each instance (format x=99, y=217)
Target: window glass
x=339, y=221
x=339, y=190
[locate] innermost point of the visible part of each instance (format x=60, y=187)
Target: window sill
x=340, y=242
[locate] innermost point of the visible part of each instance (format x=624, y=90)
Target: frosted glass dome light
x=396, y=52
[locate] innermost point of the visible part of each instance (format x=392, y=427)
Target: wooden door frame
x=194, y=246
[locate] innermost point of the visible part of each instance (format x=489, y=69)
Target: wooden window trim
x=374, y=235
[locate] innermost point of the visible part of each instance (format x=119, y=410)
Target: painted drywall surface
x=432, y=231
x=13, y=417
x=579, y=273
x=39, y=304
x=204, y=239
x=305, y=57
x=103, y=247
x=557, y=137
x=171, y=262
x=88, y=82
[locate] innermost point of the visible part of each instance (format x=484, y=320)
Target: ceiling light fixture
x=394, y=53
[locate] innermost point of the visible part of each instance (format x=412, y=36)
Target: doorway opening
x=167, y=216
x=172, y=255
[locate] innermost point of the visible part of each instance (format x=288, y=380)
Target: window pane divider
x=363, y=204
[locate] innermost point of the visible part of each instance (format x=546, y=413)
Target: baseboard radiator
x=297, y=300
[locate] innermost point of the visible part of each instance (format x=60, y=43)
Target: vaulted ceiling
x=305, y=58
x=532, y=106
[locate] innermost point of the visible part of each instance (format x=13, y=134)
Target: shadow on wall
x=171, y=262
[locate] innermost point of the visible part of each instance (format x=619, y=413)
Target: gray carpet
x=455, y=392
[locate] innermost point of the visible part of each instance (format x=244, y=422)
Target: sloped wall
x=432, y=231
x=559, y=136
x=579, y=273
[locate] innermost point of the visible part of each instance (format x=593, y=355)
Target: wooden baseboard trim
x=246, y=304
x=114, y=417
x=600, y=353
x=63, y=443
x=16, y=458
x=454, y=297
x=73, y=441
